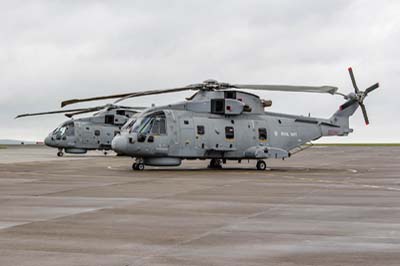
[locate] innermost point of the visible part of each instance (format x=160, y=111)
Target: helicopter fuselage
x=227, y=125
x=77, y=136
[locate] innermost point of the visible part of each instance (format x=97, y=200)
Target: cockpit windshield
x=128, y=125
x=154, y=123
x=65, y=129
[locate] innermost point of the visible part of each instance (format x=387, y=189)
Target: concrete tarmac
x=323, y=206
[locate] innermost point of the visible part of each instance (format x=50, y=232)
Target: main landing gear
x=215, y=164
x=60, y=153
x=138, y=165
x=261, y=165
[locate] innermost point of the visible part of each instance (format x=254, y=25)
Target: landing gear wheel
x=60, y=154
x=105, y=153
x=261, y=165
x=140, y=166
x=215, y=164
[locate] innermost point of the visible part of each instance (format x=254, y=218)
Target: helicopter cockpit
x=129, y=124
x=64, y=130
x=154, y=124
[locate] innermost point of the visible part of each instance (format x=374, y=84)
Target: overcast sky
x=55, y=50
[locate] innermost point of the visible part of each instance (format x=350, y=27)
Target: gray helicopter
x=96, y=132
x=222, y=122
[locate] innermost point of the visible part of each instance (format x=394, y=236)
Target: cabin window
x=109, y=119
x=262, y=134
x=200, y=130
x=97, y=132
x=229, y=132
x=217, y=106
x=230, y=94
x=120, y=112
x=186, y=122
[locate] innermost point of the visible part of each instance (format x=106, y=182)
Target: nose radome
x=119, y=143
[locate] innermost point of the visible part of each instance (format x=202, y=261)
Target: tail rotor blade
x=353, y=80
x=373, y=87
x=364, y=111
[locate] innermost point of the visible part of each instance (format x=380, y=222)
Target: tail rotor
x=359, y=96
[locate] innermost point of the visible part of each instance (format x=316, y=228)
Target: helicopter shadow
x=298, y=170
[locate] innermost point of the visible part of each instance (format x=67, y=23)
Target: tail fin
x=341, y=116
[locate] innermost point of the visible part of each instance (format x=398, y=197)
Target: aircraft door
x=87, y=136
x=187, y=136
x=221, y=135
x=158, y=136
x=261, y=133
x=70, y=135
x=202, y=129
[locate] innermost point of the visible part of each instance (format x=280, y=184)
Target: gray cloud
x=54, y=50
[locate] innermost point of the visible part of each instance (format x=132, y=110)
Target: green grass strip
x=360, y=144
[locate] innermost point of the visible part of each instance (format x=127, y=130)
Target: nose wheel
x=60, y=153
x=261, y=165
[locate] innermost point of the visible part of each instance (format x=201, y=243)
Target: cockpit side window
x=147, y=127
x=62, y=130
x=109, y=119
x=70, y=129
x=163, y=126
x=156, y=126
x=67, y=129
x=154, y=123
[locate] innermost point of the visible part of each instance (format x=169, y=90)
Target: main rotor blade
x=131, y=107
x=373, y=87
x=127, y=95
x=109, y=107
x=288, y=88
x=353, y=80
x=51, y=112
x=154, y=92
x=87, y=110
x=364, y=111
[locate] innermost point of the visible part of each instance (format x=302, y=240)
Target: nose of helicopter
x=48, y=141
x=119, y=144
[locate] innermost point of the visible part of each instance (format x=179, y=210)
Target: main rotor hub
x=210, y=84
